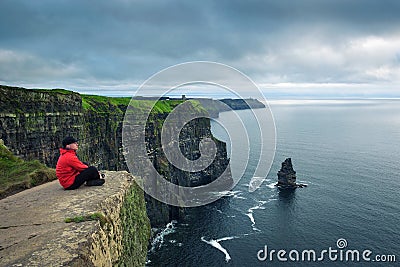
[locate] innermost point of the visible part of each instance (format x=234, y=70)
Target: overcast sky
x=305, y=48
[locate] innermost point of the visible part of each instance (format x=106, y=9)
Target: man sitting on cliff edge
x=71, y=172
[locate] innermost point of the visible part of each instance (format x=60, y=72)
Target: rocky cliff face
x=34, y=122
x=189, y=143
x=214, y=107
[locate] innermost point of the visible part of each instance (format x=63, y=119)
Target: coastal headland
x=32, y=125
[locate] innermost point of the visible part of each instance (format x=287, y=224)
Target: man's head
x=70, y=143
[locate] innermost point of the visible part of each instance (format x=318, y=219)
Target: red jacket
x=68, y=167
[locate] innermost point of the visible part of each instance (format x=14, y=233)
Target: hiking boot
x=96, y=182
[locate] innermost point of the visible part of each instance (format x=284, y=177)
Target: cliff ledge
x=33, y=231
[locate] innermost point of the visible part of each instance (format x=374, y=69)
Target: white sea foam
x=253, y=222
x=217, y=245
x=226, y=238
x=250, y=215
x=238, y=195
x=158, y=240
x=260, y=206
x=228, y=193
x=272, y=185
x=304, y=182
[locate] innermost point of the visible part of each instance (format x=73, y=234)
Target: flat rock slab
x=32, y=227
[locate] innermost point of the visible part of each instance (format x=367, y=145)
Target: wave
x=260, y=206
x=228, y=193
x=272, y=185
x=262, y=202
x=255, y=178
x=235, y=194
x=217, y=245
x=250, y=215
x=305, y=182
x=158, y=240
x=253, y=222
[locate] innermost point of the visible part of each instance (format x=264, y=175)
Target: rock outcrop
x=34, y=231
x=287, y=176
x=17, y=175
x=214, y=107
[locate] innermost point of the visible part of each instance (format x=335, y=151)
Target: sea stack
x=287, y=176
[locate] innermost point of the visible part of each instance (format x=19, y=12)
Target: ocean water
x=347, y=152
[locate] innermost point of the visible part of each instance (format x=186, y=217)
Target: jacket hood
x=63, y=151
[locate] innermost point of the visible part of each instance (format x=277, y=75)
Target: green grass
x=39, y=90
x=17, y=174
x=161, y=106
x=98, y=103
x=61, y=91
x=97, y=216
x=103, y=103
x=197, y=106
x=165, y=106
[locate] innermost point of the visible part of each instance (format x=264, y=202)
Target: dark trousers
x=90, y=173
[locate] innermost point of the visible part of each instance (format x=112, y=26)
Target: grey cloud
x=129, y=40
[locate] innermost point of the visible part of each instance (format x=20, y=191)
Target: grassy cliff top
x=17, y=174
x=22, y=100
x=105, y=104
x=98, y=103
